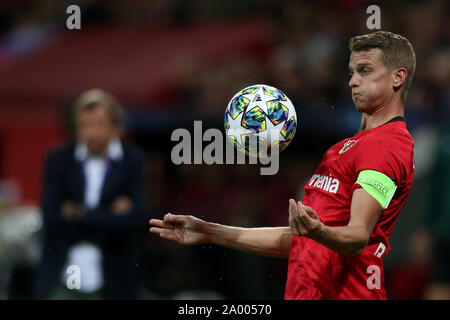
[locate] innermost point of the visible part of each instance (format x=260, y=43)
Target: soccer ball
x=259, y=120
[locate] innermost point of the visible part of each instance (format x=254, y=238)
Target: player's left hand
x=303, y=220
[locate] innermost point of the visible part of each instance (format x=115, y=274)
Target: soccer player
x=338, y=236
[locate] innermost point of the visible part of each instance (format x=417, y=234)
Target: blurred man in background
x=91, y=202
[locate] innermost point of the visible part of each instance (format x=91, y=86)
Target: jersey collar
x=398, y=118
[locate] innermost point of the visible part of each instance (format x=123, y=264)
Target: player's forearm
x=349, y=240
x=273, y=242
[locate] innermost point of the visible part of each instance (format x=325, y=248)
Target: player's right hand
x=186, y=230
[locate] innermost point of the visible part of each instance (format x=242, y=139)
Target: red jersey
x=316, y=272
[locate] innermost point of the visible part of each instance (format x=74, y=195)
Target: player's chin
x=360, y=105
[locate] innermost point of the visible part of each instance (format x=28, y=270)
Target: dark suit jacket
x=115, y=235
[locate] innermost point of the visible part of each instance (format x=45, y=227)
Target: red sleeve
x=380, y=152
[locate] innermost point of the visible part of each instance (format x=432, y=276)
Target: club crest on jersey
x=347, y=146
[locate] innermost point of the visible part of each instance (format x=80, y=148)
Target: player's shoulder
x=388, y=148
x=390, y=135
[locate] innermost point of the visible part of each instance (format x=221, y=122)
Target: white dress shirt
x=85, y=255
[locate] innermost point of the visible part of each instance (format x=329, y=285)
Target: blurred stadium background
x=171, y=62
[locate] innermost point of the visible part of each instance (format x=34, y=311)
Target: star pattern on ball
x=260, y=113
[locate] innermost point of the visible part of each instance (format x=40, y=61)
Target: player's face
x=96, y=129
x=370, y=81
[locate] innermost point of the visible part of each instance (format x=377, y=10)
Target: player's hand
x=186, y=230
x=303, y=220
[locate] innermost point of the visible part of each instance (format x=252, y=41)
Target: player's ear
x=398, y=77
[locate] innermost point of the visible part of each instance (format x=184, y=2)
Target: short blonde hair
x=94, y=98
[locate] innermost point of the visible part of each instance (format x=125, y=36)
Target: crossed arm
x=275, y=242
x=63, y=213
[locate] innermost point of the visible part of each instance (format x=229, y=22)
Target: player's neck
x=383, y=115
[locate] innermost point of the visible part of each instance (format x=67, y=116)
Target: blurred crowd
x=304, y=53
x=307, y=56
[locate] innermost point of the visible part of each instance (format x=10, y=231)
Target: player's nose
x=353, y=81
